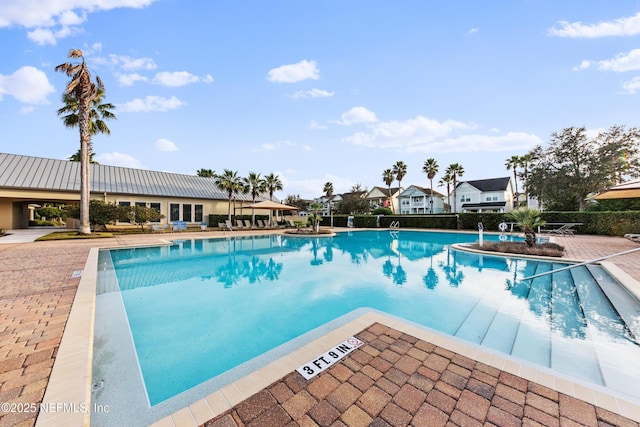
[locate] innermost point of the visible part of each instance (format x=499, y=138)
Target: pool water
x=198, y=308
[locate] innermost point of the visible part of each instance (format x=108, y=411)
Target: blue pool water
x=198, y=308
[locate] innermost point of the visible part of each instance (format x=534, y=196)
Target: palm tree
x=206, y=173
x=388, y=177
x=431, y=169
x=512, y=163
x=399, y=170
x=99, y=113
x=446, y=180
x=230, y=182
x=256, y=186
x=525, y=162
x=315, y=216
x=75, y=157
x=529, y=220
x=328, y=191
x=85, y=92
x=455, y=170
x=273, y=184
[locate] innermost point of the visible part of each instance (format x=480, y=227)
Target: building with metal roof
x=27, y=181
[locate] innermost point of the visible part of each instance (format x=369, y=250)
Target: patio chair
x=203, y=226
x=239, y=224
x=228, y=225
x=247, y=224
x=261, y=224
x=564, y=230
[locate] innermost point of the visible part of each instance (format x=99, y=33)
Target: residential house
x=484, y=195
x=418, y=200
x=328, y=203
x=384, y=197
x=27, y=181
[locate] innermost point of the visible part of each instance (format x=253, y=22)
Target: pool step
x=627, y=306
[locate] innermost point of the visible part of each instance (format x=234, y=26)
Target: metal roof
x=493, y=184
x=36, y=173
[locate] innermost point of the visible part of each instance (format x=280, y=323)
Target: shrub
x=521, y=248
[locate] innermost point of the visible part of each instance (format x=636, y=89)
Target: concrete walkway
x=39, y=285
x=25, y=235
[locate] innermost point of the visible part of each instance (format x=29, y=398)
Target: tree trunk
x=85, y=147
x=530, y=237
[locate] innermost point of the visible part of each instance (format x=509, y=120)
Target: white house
x=484, y=195
x=328, y=203
x=417, y=200
x=379, y=196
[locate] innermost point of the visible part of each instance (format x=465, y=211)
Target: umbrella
x=627, y=190
x=271, y=205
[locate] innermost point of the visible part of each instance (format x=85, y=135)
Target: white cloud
x=316, y=126
x=274, y=146
x=163, y=144
x=52, y=20
x=357, y=115
x=293, y=73
x=473, y=143
x=632, y=86
x=131, y=79
x=27, y=84
x=179, y=78
x=396, y=134
x=583, y=65
x=126, y=63
x=152, y=103
x=627, y=26
x=312, y=93
x=473, y=30
x=119, y=159
x=622, y=62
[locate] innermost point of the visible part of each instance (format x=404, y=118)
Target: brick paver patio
x=424, y=385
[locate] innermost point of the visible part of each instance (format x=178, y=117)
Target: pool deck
x=401, y=376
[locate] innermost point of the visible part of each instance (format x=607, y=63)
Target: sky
x=320, y=91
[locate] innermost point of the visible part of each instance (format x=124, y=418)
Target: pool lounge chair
x=261, y=224
x=564, y=230
x=239, y=224
x=247, y=224
x=228, y=225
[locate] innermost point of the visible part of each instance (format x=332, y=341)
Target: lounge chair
x=260, y=223
x=203, y=226
x=159, y=227
x=564, y=230
x=228, y=225
x=247, y=224
x=239, y=224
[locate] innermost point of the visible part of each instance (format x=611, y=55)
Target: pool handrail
x=581, y=263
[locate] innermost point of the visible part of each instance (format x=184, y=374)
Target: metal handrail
x=582, y=263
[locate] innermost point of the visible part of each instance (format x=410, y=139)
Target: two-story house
x=484, y=195
x=418, y=200
x=383, y=197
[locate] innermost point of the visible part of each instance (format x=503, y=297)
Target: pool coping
x=71, y=375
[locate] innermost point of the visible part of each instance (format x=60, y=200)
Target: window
x=155, y=206
x=141, y=204
x=186, y=213
x=174, y=212
x=199, y=212
x=492, y=198
x=124, y=203
x=465, y=198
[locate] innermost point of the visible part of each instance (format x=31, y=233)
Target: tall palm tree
x=328, y=191
x=273, y=184
x=455, y=171
x=82, y=88
x=256, y=185
x=206, y=173
x=76, y=157
x=431, y=169
x=446, y=180
x=512, y=163
x=399, y=170
x=99, y=113
x=525, y=163
x=230, y=182
x=388, y=177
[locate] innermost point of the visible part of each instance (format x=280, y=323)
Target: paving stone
x=542, y=418
x=361, y=381
x=396, y=376
x=322, y=386
x=281, y=392
x=299, y=404
x=395, y=416
x=441, y=401
x=344, y=396
x=255, y=405
x=324, y=413
x=408, y=364
x=473, y=405
x=544, y=404
x=409, y=398
x=501, y=418
x=429, y=416
x=341, y=372
x=459, y=418
x=276, y=416
x=421, y=382
x=483, y=389
x=577, y=410
x=374, y=400
x=437, y=362
x=356, y=417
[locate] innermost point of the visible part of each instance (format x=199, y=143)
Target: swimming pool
x=197, y=308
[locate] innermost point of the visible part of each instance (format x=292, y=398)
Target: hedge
x=598, y=223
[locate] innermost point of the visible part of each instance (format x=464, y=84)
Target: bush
x=521, y=248
x=381, y=211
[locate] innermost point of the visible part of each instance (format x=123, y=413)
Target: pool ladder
x=394, y=228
